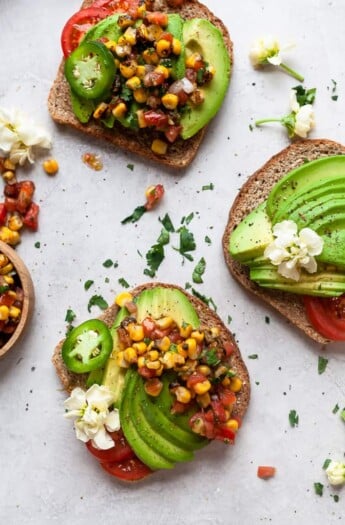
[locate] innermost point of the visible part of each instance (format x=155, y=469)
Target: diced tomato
x=10, y=204
x=218, y=411
x=26, y=192
x=124, y=337
x=166, y=36
x=225, y=434
x=11, y=190
x=148, y=325
x=3, y=213
x=30, y=218
x=7, y=299
x=154, y=195
x=228, y=348
x=201, y=425
x=78, y=25
x=173, y=132
x=327, y=315
x=146, y=373
x=175, y=3
x=179, y=408
x=129, y=470
x=194, y=378
x=265, y=472
x=226, y=396
x=157, y=17
x=153, y=78
x=121, y=451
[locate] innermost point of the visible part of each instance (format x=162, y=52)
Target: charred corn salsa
x=200, y=359
x=11, y=299
x=142, y=79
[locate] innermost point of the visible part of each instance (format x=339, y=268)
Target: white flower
x=336, y=473
x=291, y=251
x=19, y=135
x=90, y=410
x=304, y=120
x=267, y=50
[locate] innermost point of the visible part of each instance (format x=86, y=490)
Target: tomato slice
x=78, y=25
x=121, y=451
x=265, y=472
x=114, y=6
x=129, y=470
x=327, y=315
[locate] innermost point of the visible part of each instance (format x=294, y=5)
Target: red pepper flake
x=93, y=161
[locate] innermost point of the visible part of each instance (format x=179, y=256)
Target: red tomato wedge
x=78, y=25
x=114, y=6
x=265, y=472
x=327, y=315
x=120, y=452
x=130, y=470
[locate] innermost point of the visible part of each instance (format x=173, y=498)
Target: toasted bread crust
x=207, y=317
x=255, y=191
x=182, y=152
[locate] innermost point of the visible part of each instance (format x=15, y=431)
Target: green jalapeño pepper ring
x=87, y=346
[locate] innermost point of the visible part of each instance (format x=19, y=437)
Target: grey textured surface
x=46, y=475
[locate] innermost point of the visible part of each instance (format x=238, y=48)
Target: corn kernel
x=136, y=332
x=140, y=95
x=123, y=298
x=153, y=365
x=9, y=279
x=163, y=48
x=6, y=269
x=181, y=350
x=141, y=361
x=154, y=31
x=204, y=370
x=198, y=336
x=186, y=330
x=193, y=59
x=179, y=359
x=111, y=45
x=182, y=394
x=9, y=165
x=141, y=11
x=8, y=236
x=14, y=312
x=128, y=68
x=168, y=360
x=123, y=50
x=130, y=355
x=164, y=70
x=192, y=349
x=153, y=355
x=142, y=32
x=150, y=57
x=226, y=381
x=232, y=424
x=141, y=71
x=100, y=109
x=170, y=101
x=159, y=147
x=140, y=348
x=164, y=322
x=120, y=360
x=133, y=83
x=141, y=118
x=164, y=344
x=236, y=384
x=125, y=21
x=4, y=312
x=176, y=46
x=15, y=222
x=202, y=387
x=8, y=175
x=204, y=400
x=120, y=110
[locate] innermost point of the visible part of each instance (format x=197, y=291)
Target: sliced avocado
x=322, y=284
x=82, y=108
x=114, y=375
x=334, y=242
x=107, y=28
x=200, y=36
x=310, y=193
x=293, y=181
x=252, y=235
x=159, y=302
x=322, y=212
x=178, y=63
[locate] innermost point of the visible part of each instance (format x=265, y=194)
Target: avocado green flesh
x=321, y=214
x=106, y=28
x=252, y=235
x=309, y=194
x=175, y=27
x=82, y=108
x=308, y=173
x=200, y=36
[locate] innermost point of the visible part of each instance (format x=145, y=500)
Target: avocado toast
x=133, y=118
x=175, y=373
x=320, y=207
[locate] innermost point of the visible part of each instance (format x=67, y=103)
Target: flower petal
x=285, y=233
x=112, y=421
x=99, y=396
x=102, y=440
x=312, y=240
x=76, y=401
x=288, y=270
x=275, y=60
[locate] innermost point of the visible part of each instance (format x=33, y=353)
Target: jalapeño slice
x=87, y=346
x=90, y=70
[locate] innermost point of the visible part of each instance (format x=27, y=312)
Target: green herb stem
x=265, y=120
x=292, y=72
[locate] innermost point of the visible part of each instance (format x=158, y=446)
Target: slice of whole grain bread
x=253, y=192
x=207, y=317
x=182, y=152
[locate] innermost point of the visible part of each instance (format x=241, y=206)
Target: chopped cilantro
x=126, y=94
x=293, y=418
x=334, y=89
x=207, y=300
x=335, y=409
x=123, y=282
x=334, y=97
x=208, y=187
x=318, y=487
x=70, y=316
x=322, y=364
x=326, y=463
x=188, y=219
x=199, y=271
x=4, y=288
x=164, y=237
x=211, y=357
x=107, y=280
x=253, y=356
x=187, y=242
x=187, y=286
x=208, y=240
x=37, y=244
x=130, y=167
x=251, y=127
x=88, y=284
x=108, y=263
x=97, y=300
x=154, y=258
x=168, y=225
x=304, y=96
x=267, y=319
x=229, y=319
x=135, y=216
x=335, y=497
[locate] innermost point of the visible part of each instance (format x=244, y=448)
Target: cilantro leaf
x=208, y=187
x=154, y=258
x=130, y=167
x=187, y=242
x=293, y=418
x=164, y=237
x=108, y=263
x=208, y=240
x=322, y=364
x=335, y=409
x=70, y=316
x=199, y=270
x=168, y=225
x=326, y=463
x=207, y=300
x=135, y=216
x=97, y=300
x=253, y=356
x=304, y=96
x=88, y=284
x=123, y=282
x=318, y=487
x=211, y=357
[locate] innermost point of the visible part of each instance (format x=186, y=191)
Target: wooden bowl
x=29, y=296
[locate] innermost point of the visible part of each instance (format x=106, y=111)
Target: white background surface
x=46, y=475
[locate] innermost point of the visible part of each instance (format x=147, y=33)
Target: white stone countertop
x=47, y=476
